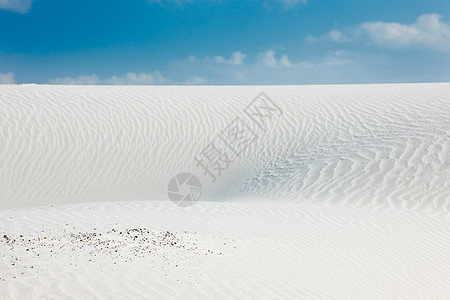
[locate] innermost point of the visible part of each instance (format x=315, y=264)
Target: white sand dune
x=343, y=194
x=382, y=145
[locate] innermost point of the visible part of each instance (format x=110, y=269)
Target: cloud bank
x=428, y=31
x=268, y=59
x=237, y=58
x=287, y=4
x=6, y=78
x=20, y=6
x=129, y=78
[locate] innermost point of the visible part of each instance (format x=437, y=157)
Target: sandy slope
x=344, y=193
x=223, y=250
x=382, y=145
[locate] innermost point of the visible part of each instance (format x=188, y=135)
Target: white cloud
x=428, y=30
x=287, y=4
x=268, y=59
x=164, y=2
x=334, y=60
x=285, y=62
x=137, y=79
x=338, y=36
x=129, y=78
x=20, y=6
x=282, y=67
x=291, y=3
x=196, y=81
x=6, y=78
x=237, y=58
x=85, y=79
x=334, y=36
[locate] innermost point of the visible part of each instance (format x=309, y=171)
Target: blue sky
x=224, y=41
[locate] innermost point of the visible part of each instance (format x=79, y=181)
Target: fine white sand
x=343, y=194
